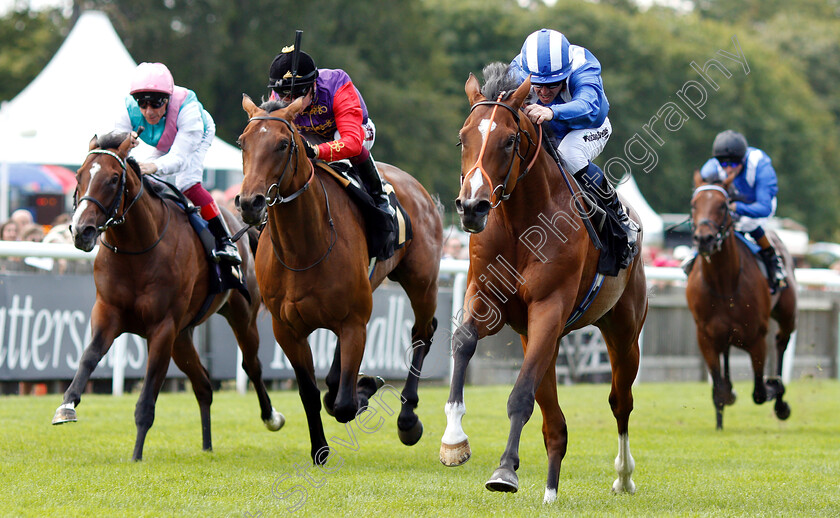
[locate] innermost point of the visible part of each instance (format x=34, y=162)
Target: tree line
x=674, y=79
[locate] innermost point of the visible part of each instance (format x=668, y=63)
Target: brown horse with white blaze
x=731, y=302
x=532, y=264
x=152, y=279
x=312, y=267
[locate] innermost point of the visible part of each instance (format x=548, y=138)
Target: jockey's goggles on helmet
x=152, y=99
x=286, y=91
x=729, y=161
x=549, y=86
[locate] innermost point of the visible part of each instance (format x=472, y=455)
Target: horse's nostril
x=236, y=202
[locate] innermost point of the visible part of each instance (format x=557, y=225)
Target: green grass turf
x=756, y=466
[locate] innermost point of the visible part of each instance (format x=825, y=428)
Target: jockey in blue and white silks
x=570, y=100
x=753, y=188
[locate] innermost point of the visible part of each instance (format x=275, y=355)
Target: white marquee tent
x=654, y=229
x=75, y=96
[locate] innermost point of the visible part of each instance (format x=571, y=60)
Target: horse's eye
x=239, y=143
x=510, y=141
x=283, y=145
x=115, y=179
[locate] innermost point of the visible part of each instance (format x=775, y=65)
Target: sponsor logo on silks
x=589, y=137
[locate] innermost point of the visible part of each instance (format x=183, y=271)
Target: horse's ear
x=473, y=90
x=293, y=109
x=125, y=147
x=698, y=179
x=248, y=105
x=521, y=94
x=94, y=143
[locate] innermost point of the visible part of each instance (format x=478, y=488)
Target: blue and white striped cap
x=545, y=55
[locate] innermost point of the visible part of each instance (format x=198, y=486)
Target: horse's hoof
x=550, y=496
x=782, y=410
x=775, y=386
x=620, y=486
x=66, y=413
x=275, y=422
x=730, y=399
x=503, y=479
x=412, y=435
x=455, y=454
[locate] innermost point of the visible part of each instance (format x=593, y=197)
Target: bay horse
x=531, y=265
x=731, y=303
x=152, y=280
x=312, y=267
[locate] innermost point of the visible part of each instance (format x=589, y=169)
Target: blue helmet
x=545, y=55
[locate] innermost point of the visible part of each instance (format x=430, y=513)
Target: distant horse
x=152, y=279
x=731, y=302
x=532, y=264
x=312, y=267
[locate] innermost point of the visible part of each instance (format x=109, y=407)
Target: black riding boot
x=225, y=249
x=591, y=174
x=775, y=269
x=370, y=176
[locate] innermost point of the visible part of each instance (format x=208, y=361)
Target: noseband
x=478, y=163
x=122, y=193
x=721, y=231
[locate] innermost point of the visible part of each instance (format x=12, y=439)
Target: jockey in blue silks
x=753, y=189
x=571, y=101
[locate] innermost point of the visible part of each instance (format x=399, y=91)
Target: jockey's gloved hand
x=310, y=148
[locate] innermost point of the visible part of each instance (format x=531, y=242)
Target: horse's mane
x=498, y=79
x=112, y=139
x=272, y=104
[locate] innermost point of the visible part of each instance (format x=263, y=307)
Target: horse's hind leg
x=105, y=330
x=785, y=314
x=721, y=386
x=160, y=351
x=243, y=321
x=186, y=358
x=624, y=360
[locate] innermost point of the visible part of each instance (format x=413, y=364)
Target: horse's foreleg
x=758, y=355
x=554, y=430
x=408, y=424
x=243, y=321
x=299, y=355
x=454, y=446
x=160, y=351
x=544, y=328
x=347, y=400
x=186, y=358
x=719, y=391
x=781, y=408
x=105, y=330
x=332, y=380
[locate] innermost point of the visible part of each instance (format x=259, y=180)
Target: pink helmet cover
x=152, y=77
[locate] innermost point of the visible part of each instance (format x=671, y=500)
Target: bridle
x=111, y=212
x=723, y=230
x=273, y=197
x=479, y=166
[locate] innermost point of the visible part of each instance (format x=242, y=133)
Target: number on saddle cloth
x=381, y=240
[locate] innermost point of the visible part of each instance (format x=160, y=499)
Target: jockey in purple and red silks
x=180, y=130
x=334, y=120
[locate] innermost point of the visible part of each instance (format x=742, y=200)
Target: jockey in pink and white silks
x=180, y=132
x=570, y=100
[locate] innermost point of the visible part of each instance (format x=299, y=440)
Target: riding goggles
x=145, y=99
x=729, y=162
x=286, y=91
x=549, y=86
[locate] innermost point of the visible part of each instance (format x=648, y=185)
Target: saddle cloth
x=381, y=241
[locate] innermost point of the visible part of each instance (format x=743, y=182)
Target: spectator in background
x=32, y=232
x=453, y=248
x=9, y=231
x=22, y=217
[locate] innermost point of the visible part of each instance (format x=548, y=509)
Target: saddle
x=381, y=241
x=223, y=276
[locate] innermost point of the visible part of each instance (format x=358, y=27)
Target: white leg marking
x=624, y=466
x=454, y=433
x=70, y=405
x=276, y=421
x=550, y=496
